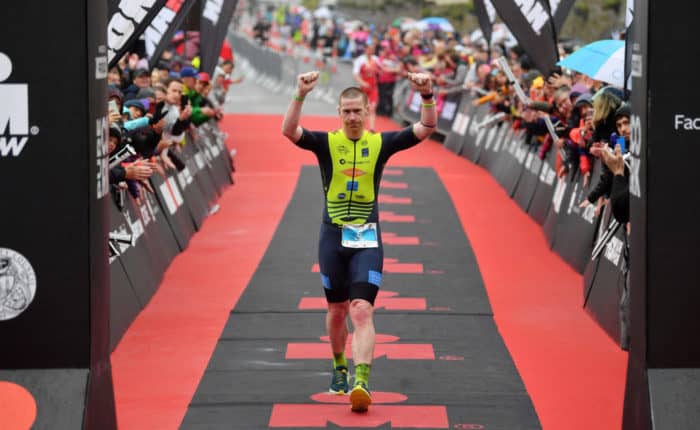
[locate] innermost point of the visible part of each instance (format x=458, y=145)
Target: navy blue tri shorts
x=348, y=273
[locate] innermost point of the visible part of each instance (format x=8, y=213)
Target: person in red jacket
x=366, y=71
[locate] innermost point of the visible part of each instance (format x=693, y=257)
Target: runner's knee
x=338, y=311
x=361, y=312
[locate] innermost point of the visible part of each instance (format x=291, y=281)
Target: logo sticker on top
x=360, y=236
x=17, y=284
x=353, y=172
x=365, y=152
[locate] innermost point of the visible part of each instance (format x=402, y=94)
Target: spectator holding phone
x=622, y=124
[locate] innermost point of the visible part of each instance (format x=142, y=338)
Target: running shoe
x=339, y=383
x=360, y=398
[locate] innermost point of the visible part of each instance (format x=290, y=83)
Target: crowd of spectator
x=150, y=112
x=591, y=119
x=589, y=116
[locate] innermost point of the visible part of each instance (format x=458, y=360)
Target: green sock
x=362, y=373
x=339, y=360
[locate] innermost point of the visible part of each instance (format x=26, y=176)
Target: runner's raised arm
x=290, y=126
x=422, y=83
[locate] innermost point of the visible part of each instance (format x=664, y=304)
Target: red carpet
x=572, y=370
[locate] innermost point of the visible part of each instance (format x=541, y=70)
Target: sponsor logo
x=530, y=159
x=681, y=121
x=490, y=10
x=636, y=66
x=102, y=157
x=123, y=23
x=160, y=24
x=354, y=173
x=535, y=13
x=101, y=63
x=17, y=284
x=558, y=196
x=365, y=152
x=573, y=207
x=343, y=150
x=341, y=161
x=547, y=175
x=613, y=250
x=341, y=196
x=448, y=110
x=589, y=214
x=212, y=10
x=352, y=186
x=364, y=143
x=14, y=113
x=137, y=228
x=635, y=150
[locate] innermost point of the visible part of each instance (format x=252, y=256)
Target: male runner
x=350, y=247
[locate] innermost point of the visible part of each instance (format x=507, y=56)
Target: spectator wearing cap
x=201, y=107
x=189, y=78
x=147, y=97
x=136, y=108
x=141, y=79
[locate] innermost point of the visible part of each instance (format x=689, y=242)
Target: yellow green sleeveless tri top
x=352, y=169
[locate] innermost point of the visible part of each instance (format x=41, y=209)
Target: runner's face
x=353, y=112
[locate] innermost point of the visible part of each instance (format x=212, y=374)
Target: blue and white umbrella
x=603, y=60
x=436, y=23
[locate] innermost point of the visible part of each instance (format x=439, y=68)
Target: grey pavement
x=257, y=96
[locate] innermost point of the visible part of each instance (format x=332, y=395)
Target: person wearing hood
x=620, y=137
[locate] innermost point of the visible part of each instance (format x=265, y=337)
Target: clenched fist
x=421, y=82
x=306, y=82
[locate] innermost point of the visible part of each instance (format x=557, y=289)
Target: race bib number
x=360, y=236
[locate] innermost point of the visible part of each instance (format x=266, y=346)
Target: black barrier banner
x=410, y=110
x=216, y=17
x=216, y=156
x=128, y=20
x=475, y=134
x=213, y=169
x=530, y=23
x=202, y=176
x=174, y=208
x=447, y=113
x=562, y=193
x=542, y=199
x=512, y=161
x=664, y=229
x=492, y=146
x=136, y=256
x=486, y=14
x=602, y=299
x=123, y=301
x=54, y=274
x=500, y=150
x=455, y=138
x=144, y=244
x=576, y=227
x=163, y=27
x=527, y=184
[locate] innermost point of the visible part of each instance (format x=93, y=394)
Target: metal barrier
x=146, y=235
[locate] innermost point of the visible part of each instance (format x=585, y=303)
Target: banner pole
x=554, y=29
